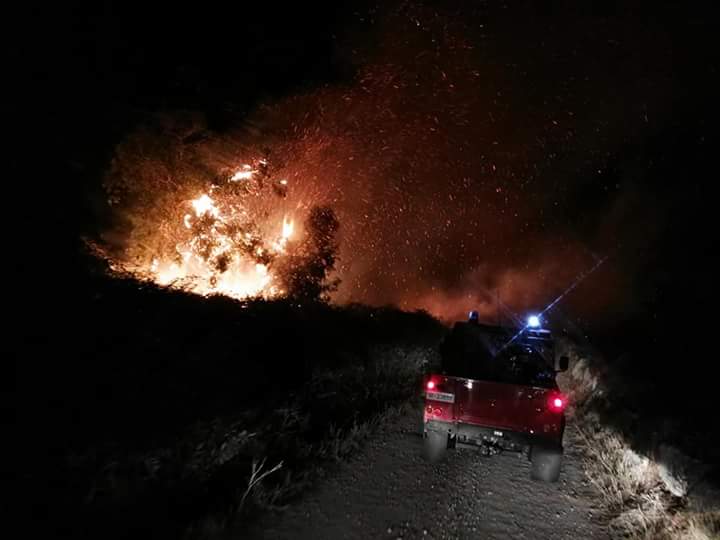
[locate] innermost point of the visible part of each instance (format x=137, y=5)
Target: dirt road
x=389, y=491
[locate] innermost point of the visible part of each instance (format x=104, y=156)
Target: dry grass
x=663, y=525
x=263, y=493
x=621, y=475
x=342, y=443
x=646, y=496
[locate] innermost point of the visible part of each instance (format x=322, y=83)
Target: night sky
x=469, y=148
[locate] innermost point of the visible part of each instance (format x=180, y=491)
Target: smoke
x=461, y=166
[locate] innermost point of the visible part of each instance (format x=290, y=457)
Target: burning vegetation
x=193, y=216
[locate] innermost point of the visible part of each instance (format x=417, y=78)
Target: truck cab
x=496, y=391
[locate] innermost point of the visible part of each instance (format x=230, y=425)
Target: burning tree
x=193, y=216
x=307, y=271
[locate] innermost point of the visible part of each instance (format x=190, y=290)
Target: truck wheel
x=546, y=462
x=435, y=445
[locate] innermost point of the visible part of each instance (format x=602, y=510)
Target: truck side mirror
x=563, y=363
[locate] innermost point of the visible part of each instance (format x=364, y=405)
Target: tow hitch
x=489, y=448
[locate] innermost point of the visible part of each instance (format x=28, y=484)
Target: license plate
x=441, y=396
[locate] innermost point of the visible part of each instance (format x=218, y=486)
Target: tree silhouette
x=306, y=274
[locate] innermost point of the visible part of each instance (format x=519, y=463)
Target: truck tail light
x=430, y=385
x=557, y=402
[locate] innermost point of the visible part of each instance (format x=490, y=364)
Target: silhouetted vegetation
x=151, y=407
x=307, y=274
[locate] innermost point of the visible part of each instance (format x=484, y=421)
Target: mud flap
x=435, y=445
x=546, y=461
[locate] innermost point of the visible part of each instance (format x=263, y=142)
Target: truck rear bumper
x=475, y=435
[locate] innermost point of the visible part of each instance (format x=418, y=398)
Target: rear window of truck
x=516, y=364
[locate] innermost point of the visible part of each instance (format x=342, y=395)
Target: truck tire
x=546, y=461
x=435, y=445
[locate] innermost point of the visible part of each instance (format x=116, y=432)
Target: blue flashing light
x=533, y=321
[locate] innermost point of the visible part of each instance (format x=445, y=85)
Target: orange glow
x=218, y=248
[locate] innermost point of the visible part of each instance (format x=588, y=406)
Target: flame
x=287, y=231
x=246, y=173
x=219, y=249
x=242, y=279
x=204, y=205
x=287, y=228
